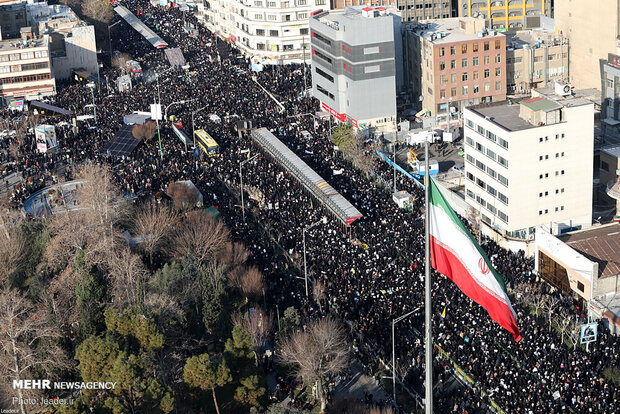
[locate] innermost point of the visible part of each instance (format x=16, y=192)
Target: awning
x=152, y=37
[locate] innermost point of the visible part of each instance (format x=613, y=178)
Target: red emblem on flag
x=484, y=268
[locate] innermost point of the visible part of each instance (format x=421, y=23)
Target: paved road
x=358, y=383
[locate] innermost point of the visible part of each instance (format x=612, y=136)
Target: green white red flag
x=456, y=254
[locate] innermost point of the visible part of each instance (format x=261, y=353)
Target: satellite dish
x=566, y=88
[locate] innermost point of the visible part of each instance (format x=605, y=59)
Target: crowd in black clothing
x=366, y=287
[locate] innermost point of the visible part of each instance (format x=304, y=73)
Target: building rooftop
x=17, y=44
x=353, y=13
x=534, y=38
x=601, y=245
x=503, y=113
x=577, y=98
x=541, y=104
x=613, y=151
x=450, y=31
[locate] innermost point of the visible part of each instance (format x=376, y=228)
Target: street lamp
x=110, y=39
x=193, y=128
x=394, y=322
x=241, y=178
x=324, y=221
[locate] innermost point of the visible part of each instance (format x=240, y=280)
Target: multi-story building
x=357, y=64
x=409, y=9
x=72, y=41
x=25, y=69
x=593, y=31
x=535, y=58
x=505, y=14
x=272, y=29
x=457, y=63
x=529, y=163
x=610, y=96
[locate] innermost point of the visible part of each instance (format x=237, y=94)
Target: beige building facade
x=535, y=58
x=529, y=163
x=592, y=29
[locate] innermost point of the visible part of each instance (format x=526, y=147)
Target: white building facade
x=530, y=164
x=25, y=69
x=276, y=30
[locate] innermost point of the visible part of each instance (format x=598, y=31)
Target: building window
x=487, y=87
x=272, y=17
x=474, y=47
x=325, y=75
x=502, y=179
x=323, y=39
x=372, y=69
x=325, y=91
x=260, y=32
x=492, y=173
x=487, y=60
x=320, y=2
x=442, y=94
x=498, y=58
x=442, y=51
x=476, y=74
x=604, y=166
x=498, y=71
x=501, y=197
x=453, y=78
x=442, y=65
x=453, y=64
x=302, y=16
x=258, y=17
x=271, y=4
x=498, y=85
x=453, y=92
x=580, y=287
x=498, y=44
x=258, y=4
x=476, y=89
x=464, y=48
x=503, y=143
x=475, y=61
x=487, y=73
x=303, y=31
x=442, y=79
x=503, y=161
x=486, y=45
x=452, y=50
x=491, y=154
x=464, y=63
x=273, y=33
x=464, y=77
x=322, y=56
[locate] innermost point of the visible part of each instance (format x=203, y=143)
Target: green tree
x=90, y=293
x=130, y=323
x=250, y=391
x=290, y=320
x=96, y=356
x=239, y=347
x=343, y=136
x=203, y=374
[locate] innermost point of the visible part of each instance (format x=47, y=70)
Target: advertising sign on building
x=17, y=105
x=45, y=136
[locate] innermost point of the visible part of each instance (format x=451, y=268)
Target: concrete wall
x=80, y=52
x=592, y=29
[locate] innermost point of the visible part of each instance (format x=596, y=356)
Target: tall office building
x=455, y=63
x=505, y=14
x=529, y=163
x=357, y=64
x=593, y=30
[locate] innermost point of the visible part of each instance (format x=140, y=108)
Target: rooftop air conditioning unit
x=563, y=88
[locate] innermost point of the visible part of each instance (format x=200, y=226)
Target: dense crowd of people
x=368, y=282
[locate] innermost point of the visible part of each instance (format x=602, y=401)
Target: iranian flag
x=456, y=254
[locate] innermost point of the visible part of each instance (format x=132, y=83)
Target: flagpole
x=427, y=288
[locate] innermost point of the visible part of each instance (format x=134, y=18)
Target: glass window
x=464, y=48
x=452, y=50
x=442, y=65
x=453, y=64
x=498, y=71
x=474, y=47
x=498, y=58
x=487, y=60
x=498, y=44
x=464, y=62
x=442, y=51
x=487, y=73
x=498, y=85
x=486, y=45
x=503, y=161
x=465, y=90
x=475, y=61
x=464, y=76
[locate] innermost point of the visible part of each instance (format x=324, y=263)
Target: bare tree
x=127, y=276
x=234, y=254
x=252, y=283
x=317, y=353
x=98, y=10
x=27, y=341
x=154, y=223
x=564, y=319
x=120, y=61
x=550, y=305
x=97, y=195
x=215, y=274
x=318, y=291
x=183, y=196
x=258, y=325
x=201, y=236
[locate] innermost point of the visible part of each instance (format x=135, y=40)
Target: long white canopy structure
x=331, y=199
x=152, y=37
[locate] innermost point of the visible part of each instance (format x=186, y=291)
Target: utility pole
x=241, y=179
x=304, y=53
x=427, y=290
